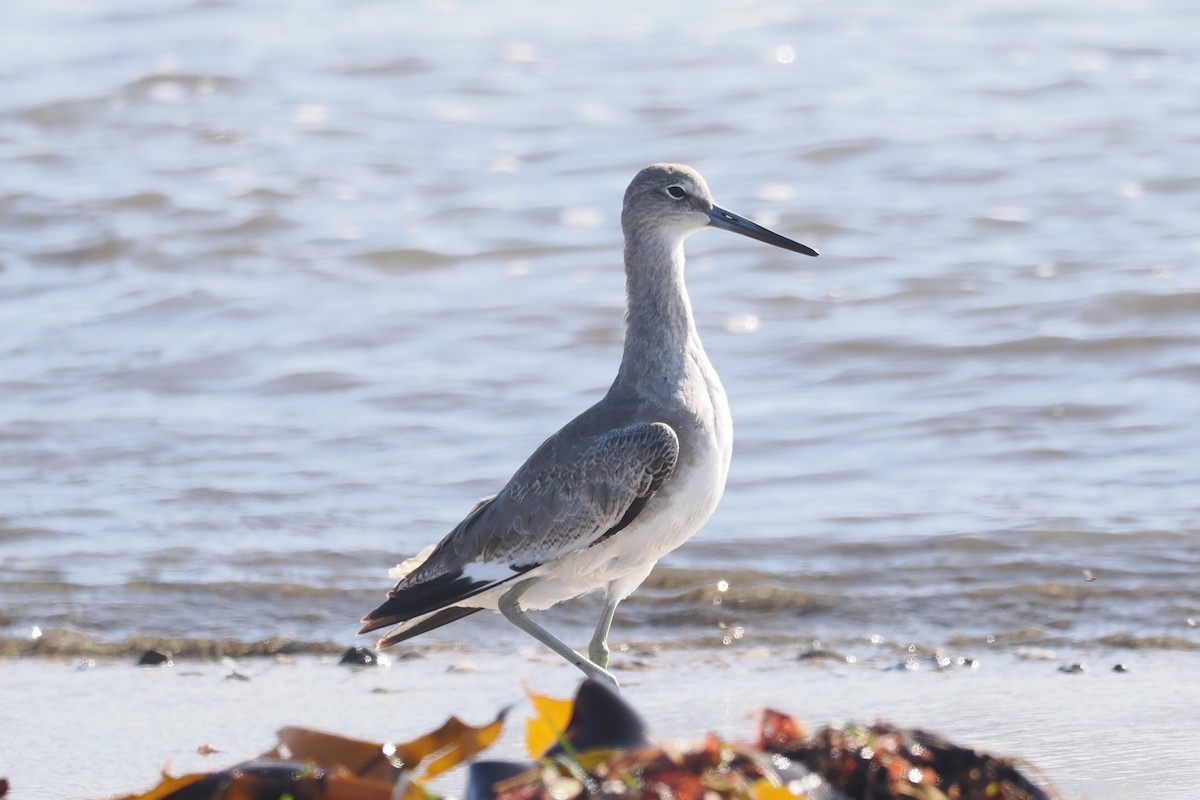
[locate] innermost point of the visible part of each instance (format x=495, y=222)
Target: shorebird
x=621, y=485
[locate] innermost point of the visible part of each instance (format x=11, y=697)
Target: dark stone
x=824, y=654
x=154, y=658
x=601, y=719
x=359, y=657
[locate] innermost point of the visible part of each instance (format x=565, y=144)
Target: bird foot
x=598, y=673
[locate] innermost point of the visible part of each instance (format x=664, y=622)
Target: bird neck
x=661, y=342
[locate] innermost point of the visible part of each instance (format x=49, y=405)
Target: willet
x=621, y=485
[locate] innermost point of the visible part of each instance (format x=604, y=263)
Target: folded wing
x=561, y=501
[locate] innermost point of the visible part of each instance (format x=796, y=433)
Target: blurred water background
x=286, y=286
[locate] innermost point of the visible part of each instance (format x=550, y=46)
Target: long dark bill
x=728, y=221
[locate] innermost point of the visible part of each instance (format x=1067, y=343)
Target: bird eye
x=676, y=192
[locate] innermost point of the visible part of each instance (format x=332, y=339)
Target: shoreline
x=108, y=729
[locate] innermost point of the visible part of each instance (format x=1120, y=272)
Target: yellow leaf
x=466, y=741
x=764, y=789
x=445, y=748
x=448, y=746
x=357, y=756
x=546, y=727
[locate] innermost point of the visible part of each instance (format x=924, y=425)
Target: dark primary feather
x=435, y=620
x=422, y=598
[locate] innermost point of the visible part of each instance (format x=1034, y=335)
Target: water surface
x=285, y=287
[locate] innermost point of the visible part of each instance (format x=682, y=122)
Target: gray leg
x=510, y=607
x=598, y=649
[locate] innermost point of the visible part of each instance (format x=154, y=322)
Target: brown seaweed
x=886, y=762
x=597, y=747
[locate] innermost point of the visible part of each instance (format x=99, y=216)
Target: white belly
x=671, y=517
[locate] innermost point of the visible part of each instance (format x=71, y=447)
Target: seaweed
x=306, y=764
x=886, y=762
x=597, y=746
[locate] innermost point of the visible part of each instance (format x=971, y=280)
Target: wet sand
x=72, y=731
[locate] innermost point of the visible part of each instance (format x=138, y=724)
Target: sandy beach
x=73, y=731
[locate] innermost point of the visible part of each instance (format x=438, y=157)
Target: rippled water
x=284, y=287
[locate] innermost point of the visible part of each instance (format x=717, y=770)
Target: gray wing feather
x=567, y=496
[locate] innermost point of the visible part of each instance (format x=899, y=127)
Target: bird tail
x=420, y=607
x=419, y=625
